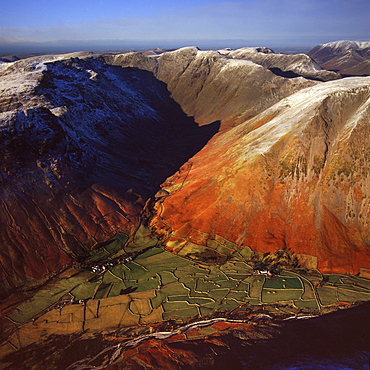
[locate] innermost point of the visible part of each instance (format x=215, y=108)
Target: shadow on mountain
x=354, y=75
x=79, y=158
x=290, y=74
x=119, y=126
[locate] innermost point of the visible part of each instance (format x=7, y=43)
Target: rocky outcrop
x=295, y=176
x=211, y=86
x=351, y=58
x=83, y=145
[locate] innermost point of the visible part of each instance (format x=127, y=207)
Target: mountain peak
x=345, y=57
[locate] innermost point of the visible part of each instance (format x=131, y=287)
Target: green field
x=186, y=288
x=45, y=298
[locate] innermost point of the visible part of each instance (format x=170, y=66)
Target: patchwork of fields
x=155, y=285
x=184, y=288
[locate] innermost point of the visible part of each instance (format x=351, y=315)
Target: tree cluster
x=282, y=259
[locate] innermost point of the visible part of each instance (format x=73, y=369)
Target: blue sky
x=64, y=25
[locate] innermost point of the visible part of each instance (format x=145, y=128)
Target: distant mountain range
x=346, y=57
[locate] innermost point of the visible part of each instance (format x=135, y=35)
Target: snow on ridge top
x=5, y=65
x=185, y=48
x=48, y=58
x=23, y=75
x=185, y=52
x=317, y=93
x=234, y=63
x=208, y=53
x=346, y=44
x=257, y=49
x=292, y=111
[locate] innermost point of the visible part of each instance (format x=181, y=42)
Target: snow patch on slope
x=346, y=45
x=295, y=112
x=239, y=63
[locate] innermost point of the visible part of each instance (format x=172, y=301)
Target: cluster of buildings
x=108, y=265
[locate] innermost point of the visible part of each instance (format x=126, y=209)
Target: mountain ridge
x=62, y=123
x=65, y=170
x=270, y=155
x=350, y=58
x=160, y=209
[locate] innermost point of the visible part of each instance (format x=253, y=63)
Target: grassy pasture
x=228, y=304
x=175, y=289
x=242, y=287
x=84, y=291
x=280, y=295
x=135, y=272
x=167, y=277
x=108, y=277
x=308, y=293
x=205, y=286
x=163, y=261
x=218, y=294
x=190, y=248
x=116, y=289
x=200, y=300
x=177, y=305
x=230, y=284
x=143, y=238
x=182, y=314
x=103, y=291
x=236, y=267
x=152, y=283
x=119, y=271
x=334, y=278
x=29, y=309
x=280, y=282
x=178, y=298
x=281, y=289
x=149, y=253
x=350, y=295
x=356, y=281
x=183, y=288
x=158, y=299
x=191, y=270
x=256, y=283
x=246, y=252
x=238, y=296
x=99, y=255
x=116, y=244
x=108, y=249
x=45, y=298
x=327, y=295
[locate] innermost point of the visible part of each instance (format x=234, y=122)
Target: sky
x=71, y=25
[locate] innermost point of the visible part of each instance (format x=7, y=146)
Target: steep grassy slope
x=296, y=176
